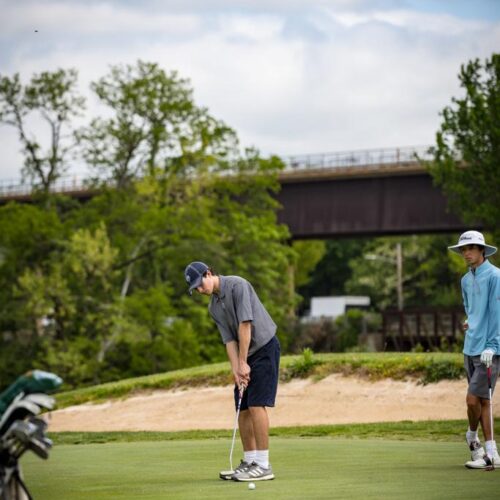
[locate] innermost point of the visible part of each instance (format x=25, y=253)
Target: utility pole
x=399, y=266
x=399, y=270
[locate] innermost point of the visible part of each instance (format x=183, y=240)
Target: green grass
x=369, y=461
x=305, y=468
x=423, y=367
x=442, y=430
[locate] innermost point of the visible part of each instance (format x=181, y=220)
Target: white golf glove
x=487, y=357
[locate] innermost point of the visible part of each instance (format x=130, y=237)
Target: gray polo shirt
x=235, y=303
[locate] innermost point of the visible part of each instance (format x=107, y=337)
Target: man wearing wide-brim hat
x=481, y=295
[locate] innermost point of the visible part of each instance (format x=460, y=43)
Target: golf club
x=488, y=371
x=226, y=474
x=20, y=428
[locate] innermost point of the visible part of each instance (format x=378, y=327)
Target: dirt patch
x=336, y=399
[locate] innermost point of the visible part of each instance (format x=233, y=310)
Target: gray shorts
x=477, y=375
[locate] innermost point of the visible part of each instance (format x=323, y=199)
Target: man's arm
x=232, y=354
x=238, y=353
x=493, y=334
x=493, y=340
x=465, y=323
x=244, y=336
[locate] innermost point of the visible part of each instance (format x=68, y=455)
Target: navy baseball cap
x=194, y=274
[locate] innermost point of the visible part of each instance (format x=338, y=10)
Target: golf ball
x=251, y=486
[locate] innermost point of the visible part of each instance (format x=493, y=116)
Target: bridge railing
x=64, y=184
x=362, y=158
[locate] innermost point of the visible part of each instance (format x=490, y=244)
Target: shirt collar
x=482, y=268
x=222, y=287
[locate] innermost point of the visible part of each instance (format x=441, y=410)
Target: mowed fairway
x=305, y=468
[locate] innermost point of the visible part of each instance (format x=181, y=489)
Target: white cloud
x=82, y=19
x=327, y=80
x=411, y=20
x=256, y=28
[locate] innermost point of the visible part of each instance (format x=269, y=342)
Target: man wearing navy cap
x=253, y=349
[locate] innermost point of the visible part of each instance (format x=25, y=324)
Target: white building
x=332, y=307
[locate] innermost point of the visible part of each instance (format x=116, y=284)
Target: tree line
x=95, y=291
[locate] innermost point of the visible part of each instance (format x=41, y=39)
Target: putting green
x=305, y=468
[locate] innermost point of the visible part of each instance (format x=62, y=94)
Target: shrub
x=339, y=335
x=301, y=367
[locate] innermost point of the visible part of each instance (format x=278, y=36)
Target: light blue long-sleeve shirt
x=481, y=294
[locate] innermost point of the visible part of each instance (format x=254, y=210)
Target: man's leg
x=473, y=368
x=261, y=469
x=474, y=412
x=262, y=393
x=485, y=419
x=260, y=421
x=478, y=412
x=474, y=408
x=247, y=434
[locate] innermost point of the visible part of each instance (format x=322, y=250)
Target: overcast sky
x=290, y=76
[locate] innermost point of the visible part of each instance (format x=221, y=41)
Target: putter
x=488, y=371
x=226, y=474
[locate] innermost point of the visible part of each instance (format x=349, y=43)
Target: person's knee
x=485, y=403
x=473, y=402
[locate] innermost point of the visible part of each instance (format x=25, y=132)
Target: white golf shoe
x=485, y=462
x=476, y=450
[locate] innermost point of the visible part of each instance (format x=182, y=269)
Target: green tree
x=332, y=271
x=155, y=126
x=309, y=253
x=53, y=97
x=431, y=274
x=28, y=236
x=107, y=298
x=467, y=153
x=72, y=304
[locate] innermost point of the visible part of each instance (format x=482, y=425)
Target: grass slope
x=442, y=430
x=312, y=468
x=424, y=367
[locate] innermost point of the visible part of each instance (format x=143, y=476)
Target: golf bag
x=21, y=429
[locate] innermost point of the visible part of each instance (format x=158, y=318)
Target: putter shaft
x=488, y=371
x=242, y=389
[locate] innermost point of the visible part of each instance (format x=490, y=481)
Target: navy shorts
x=264, y=365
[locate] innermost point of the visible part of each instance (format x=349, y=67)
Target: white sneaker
x=484, y=462
x=476, y=450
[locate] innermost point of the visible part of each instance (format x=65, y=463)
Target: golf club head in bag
x=22, y=408
x=27, y=435
x=22, y=430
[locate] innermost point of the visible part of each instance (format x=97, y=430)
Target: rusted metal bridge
x=342, y=194
x=363, y=193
